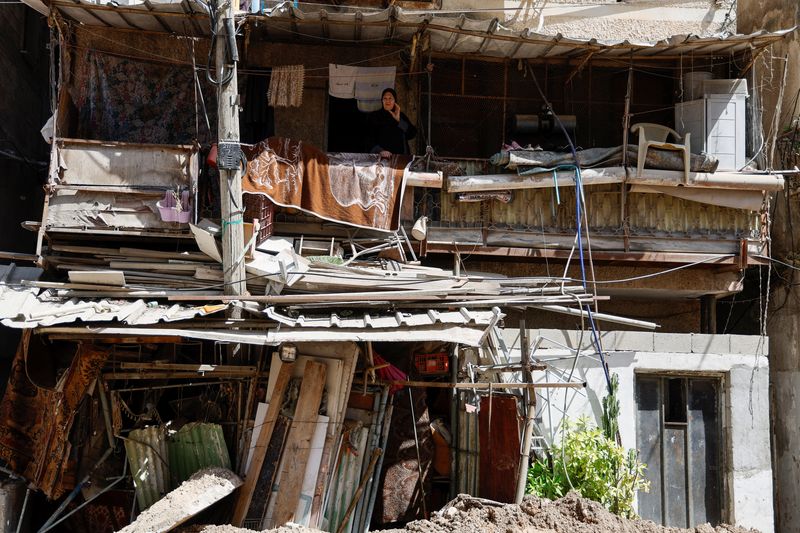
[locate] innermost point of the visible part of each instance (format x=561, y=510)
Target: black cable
x=227, y=74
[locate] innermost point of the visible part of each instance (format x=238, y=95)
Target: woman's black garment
x=385, y=133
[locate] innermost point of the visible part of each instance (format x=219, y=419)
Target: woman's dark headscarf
x=389, y=90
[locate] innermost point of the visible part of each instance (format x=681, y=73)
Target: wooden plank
x=245, y=370
x=137, y=265
x=336, y=297
x=253, y=473
x=113, y=278
x=17, y=256
x=298, y=446
x=141, y=252
x=272, y=460
x=606, y=175
x=431, y=180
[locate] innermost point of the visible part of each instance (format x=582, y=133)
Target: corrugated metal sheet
x=147, y=456
x=23, y=308
x=195, y=446
x=346, y=478
x=463, y=316
x=452, y=33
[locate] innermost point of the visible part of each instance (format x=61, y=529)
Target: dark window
x=346, y=126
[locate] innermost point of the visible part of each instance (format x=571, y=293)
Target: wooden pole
x=530, y=411
x=230, y=181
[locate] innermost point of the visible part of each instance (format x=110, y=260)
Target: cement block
x=702, y=343
x=752, y=500
x=749, y=344
x=672, y=342
x=636, y=341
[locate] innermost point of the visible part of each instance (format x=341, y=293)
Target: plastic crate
x=432, y=363
x=258, y=206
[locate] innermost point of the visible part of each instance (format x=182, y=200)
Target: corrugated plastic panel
x=195, y=446
x=148, y=459
x=22, y=308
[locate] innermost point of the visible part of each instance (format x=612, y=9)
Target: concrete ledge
x=646, y=341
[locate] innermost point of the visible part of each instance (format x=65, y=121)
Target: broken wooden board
x=298, y=443
x=254, y=471
x=206, y=242
x=114, y=278
x=201, y=491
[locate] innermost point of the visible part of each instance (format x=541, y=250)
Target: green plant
x=593, y=465
x=610, y=418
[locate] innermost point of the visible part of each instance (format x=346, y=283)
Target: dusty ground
x=571, y=514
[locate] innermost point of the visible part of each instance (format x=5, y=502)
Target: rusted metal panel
x=705, y=451
x=35, y=423
x=648, y=441
x=498, y=426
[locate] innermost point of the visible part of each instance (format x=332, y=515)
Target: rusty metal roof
x=451, y=33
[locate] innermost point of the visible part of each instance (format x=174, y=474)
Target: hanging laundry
x=370, y=83
x=342, y=80
x=286, y=86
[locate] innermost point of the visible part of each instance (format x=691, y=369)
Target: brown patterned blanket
x=361, y=190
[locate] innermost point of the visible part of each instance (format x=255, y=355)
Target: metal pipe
x=377, y=452
x=90, y=500
x=72, y=495
x=101, y=391
x=599, y=316
x=387, y=422
x=372, y=444
x=24, y=506
x=419, y=458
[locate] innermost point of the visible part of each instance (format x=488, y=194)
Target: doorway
x=679, y=436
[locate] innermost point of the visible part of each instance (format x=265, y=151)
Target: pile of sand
x=571, y=513
x=538, y=515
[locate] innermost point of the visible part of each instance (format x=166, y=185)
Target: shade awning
x=449, y=33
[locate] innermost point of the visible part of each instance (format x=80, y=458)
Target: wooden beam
x=259, y=453
x=600, y=256
x=298, y=442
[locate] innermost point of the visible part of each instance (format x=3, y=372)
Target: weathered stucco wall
x=741, y=362
x=610, y=20
x=784, y=318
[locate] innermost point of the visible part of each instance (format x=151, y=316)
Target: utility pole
x=230, y=171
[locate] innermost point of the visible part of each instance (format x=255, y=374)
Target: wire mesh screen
x=467, y=108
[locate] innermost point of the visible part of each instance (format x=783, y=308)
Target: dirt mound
x=571, y=513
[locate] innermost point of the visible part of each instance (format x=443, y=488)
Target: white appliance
x=717, y=125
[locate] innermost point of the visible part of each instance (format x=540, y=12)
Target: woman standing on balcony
x=389, y=128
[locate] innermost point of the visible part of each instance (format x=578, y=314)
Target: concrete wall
x=740, y=361
x=784, y=324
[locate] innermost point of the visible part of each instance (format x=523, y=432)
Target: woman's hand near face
x=395, y=111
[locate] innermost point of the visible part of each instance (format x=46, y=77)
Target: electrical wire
x=226, y=75
x=579, y=243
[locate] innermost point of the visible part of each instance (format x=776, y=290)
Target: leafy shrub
x=595, y=466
